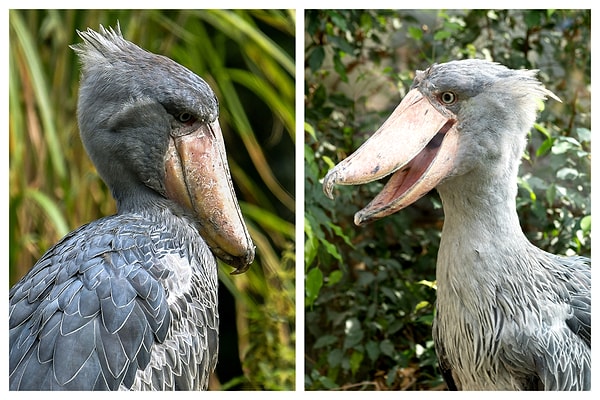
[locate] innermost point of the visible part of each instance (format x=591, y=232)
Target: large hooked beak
x=417, y=143
x=198, y=178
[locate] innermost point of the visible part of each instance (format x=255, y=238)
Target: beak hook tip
x=329, y=183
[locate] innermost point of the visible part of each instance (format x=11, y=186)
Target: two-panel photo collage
x=299, y=200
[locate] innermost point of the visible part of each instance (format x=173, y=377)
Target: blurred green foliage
x=370, y=291
x=247, y=57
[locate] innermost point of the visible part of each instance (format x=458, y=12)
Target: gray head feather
x=119, y=69
x=128, y=98
x=474, y=76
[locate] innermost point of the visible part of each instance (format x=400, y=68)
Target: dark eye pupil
x=184, y=117
x=448, y=97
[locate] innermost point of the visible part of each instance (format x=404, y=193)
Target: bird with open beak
x=509, y=316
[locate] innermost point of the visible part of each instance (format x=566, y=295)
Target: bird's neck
x=480, y=205
x=481, y=230
x=132, y=196
x=142, y=200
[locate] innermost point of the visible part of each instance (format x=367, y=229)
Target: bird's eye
x=448, y=98
x=185, y=117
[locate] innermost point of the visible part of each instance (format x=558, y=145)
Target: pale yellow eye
x=448, y=98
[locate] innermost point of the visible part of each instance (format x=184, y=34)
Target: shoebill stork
x=129, y=301
x=509, y=315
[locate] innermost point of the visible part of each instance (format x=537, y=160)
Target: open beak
x=198, y=178
x=417, y=144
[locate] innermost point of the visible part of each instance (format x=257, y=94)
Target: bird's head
x=461, y=117
x=151, y=127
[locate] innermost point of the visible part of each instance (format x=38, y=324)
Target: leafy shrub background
x=54, y=187
x=370, y=291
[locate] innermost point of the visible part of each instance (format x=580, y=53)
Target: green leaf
x=391, y=376
x=441, y=35
x=335, y=277
x=339, y=67
x=316, y=57
x=328, y=161
x=430, y=284
x=308, y=128
x=542, y=129
x=343, y=46
x=339, y=20
x=311, y=247
x=426, y=319
x=372, y=349
x=583, y=134
x=533, y=18
x=324, y=341
x=567, y=173
x=314, y=282
x=421, y=304
x=355, y=361
x=395, y=326
x=525, y=185
x=334, y=358
x=365, y=278
x=564, y=144
x=320, y=96
x=415, y=33
x=366, y=22
x=311, y=243
x=491, y=14
x=586, y=224
x=338, y=231
x=331, y=249
x=387, y=347
x=328, y=383
x=453, y=26
x=544, y=147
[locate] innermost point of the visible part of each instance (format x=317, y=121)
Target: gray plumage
x=124, y=88
x=509, y=315
x=109, y=308
x=128, y=301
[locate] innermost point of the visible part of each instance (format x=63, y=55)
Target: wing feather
x=92, y=311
